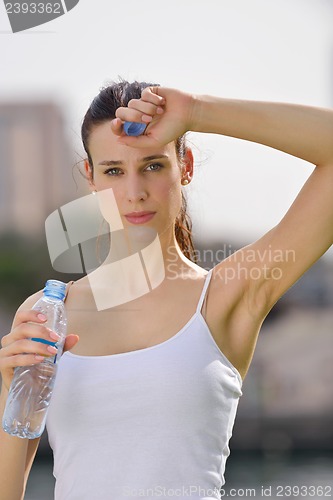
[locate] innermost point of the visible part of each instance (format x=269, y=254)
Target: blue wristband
x=134, y=128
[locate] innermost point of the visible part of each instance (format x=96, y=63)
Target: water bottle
x=134, y=128
x=31, y=388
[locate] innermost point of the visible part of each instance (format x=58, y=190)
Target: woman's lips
x=139, y=217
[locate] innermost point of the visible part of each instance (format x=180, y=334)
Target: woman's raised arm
x=306, y=231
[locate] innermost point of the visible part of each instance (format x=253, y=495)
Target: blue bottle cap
x=55, y=289
x=134, y=128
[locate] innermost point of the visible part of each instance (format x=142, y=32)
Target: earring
x=93, y=192
x=184, y=182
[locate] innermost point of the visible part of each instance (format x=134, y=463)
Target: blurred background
x=261, y=50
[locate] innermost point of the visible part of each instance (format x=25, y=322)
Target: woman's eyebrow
x=109, y=163
x=154, y=157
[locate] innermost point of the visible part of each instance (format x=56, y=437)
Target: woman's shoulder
x=77, y=288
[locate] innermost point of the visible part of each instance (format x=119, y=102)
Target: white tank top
x=150, y=423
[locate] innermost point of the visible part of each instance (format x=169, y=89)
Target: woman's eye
x=115, y=171
x=154, y=167
x=112, y=171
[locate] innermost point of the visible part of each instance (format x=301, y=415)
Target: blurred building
x=36, y=165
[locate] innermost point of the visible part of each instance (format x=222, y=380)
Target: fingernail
x=52, y=349
x=39, y=358
x=41, y=317
x=54, y=335
x=147, y=118
x=159, y=111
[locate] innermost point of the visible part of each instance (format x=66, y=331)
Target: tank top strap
x=69, y=284
x=204, y=290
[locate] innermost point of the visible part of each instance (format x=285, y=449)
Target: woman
x=138, y=409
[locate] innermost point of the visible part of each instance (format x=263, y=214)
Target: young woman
x=144, y=403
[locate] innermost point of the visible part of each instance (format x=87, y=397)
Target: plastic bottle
x=134, y=128
x=31, y=388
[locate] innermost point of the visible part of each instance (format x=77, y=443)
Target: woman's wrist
x=195, y=113
x=207, y=114
x=189, y=107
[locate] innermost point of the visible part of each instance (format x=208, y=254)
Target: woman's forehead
x=103, y=145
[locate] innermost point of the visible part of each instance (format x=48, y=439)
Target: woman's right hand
x=167, y=112
x=17, y=348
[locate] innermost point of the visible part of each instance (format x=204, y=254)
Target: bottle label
x=48, y=342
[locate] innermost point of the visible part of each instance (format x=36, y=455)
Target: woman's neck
x=139, y=261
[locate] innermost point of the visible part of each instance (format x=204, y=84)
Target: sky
x=258, y=49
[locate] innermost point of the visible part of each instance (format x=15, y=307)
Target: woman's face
x=142, y=180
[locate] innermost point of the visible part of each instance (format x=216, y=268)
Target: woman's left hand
x=167, y=112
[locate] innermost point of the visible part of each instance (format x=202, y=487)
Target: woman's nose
x=136, y=190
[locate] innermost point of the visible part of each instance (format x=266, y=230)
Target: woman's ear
x=89, y=173
x=188, y=163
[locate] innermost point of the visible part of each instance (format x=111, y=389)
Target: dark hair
x=102, y=109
